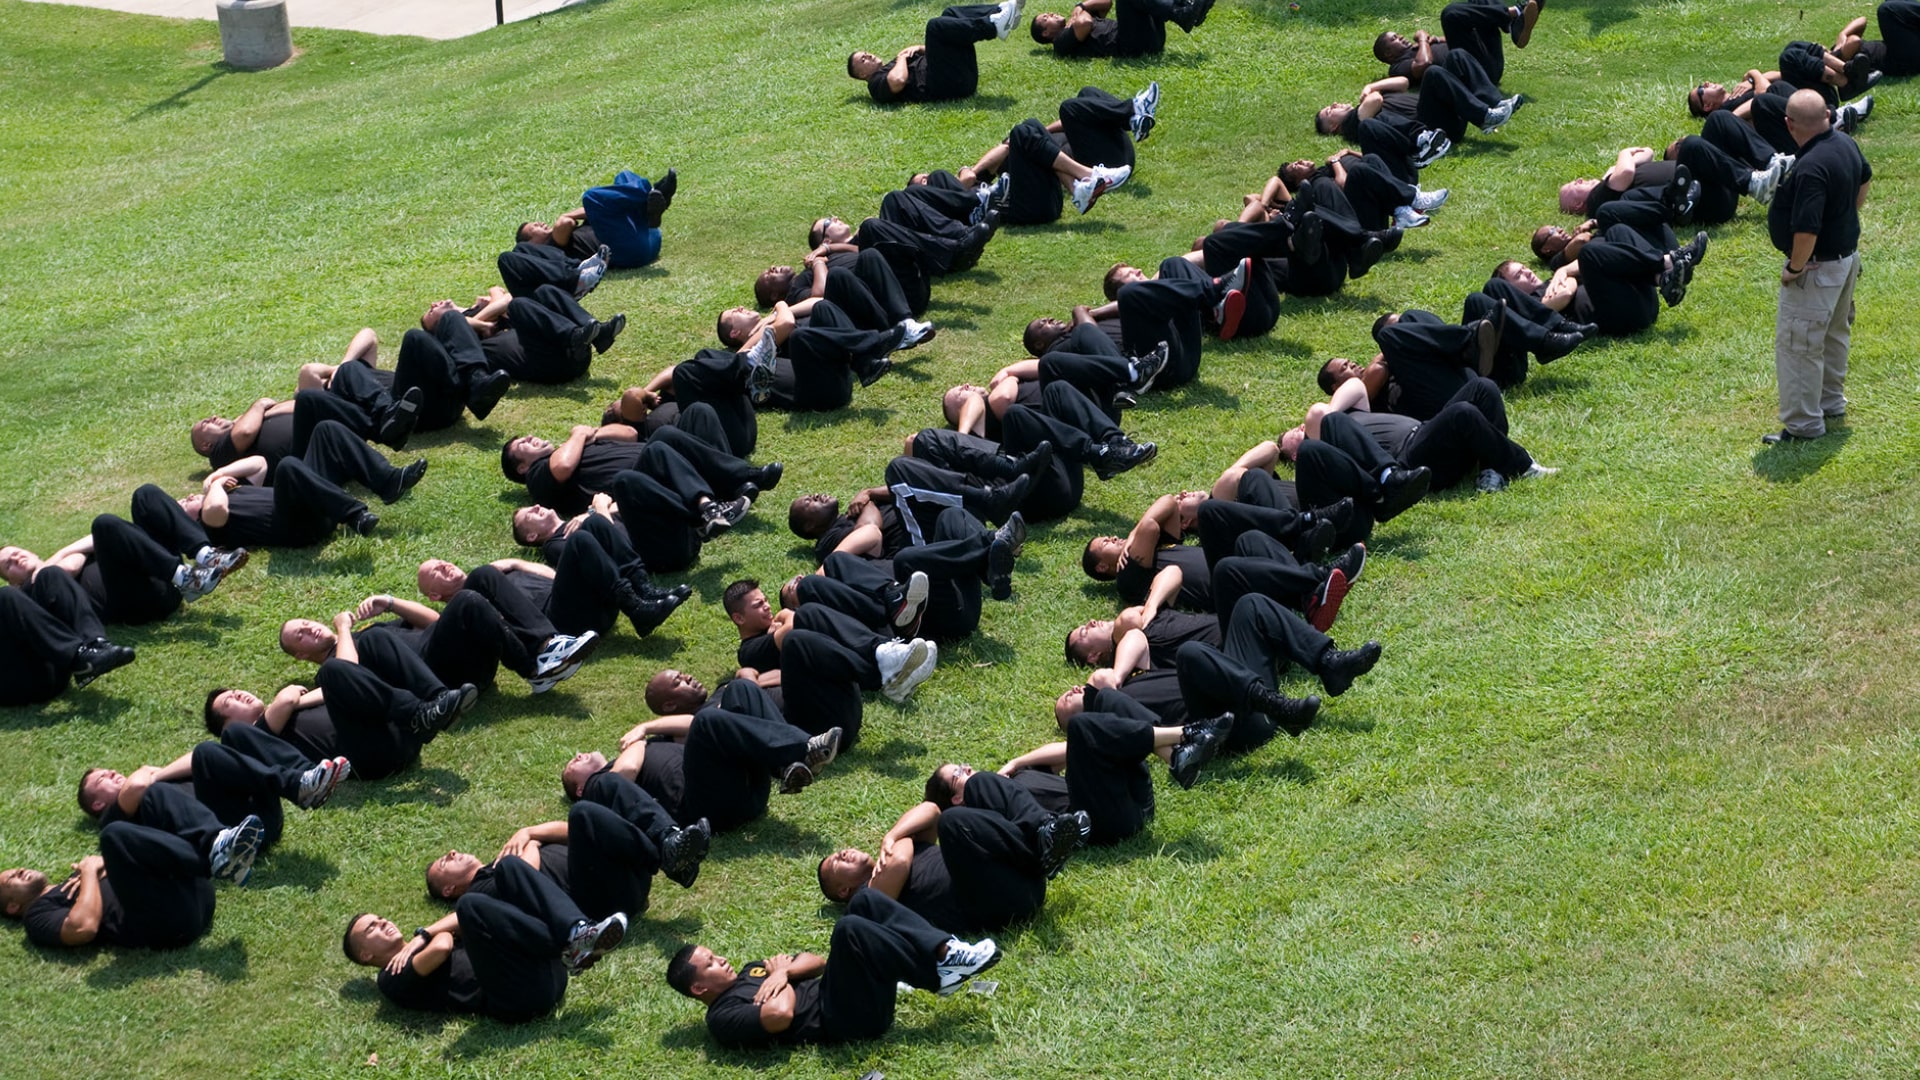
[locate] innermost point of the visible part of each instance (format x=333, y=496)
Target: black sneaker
x=364, y=522
x=1203, y=742
x=1060, y=836
x=1148, y=366
x=1350, y=562
x=1001, y=553
x=1308, y=245
x=1294, y=715
x=1339, y=512
x=604, y=333
x=1695, y=252
x=1400, y=488
x=397, y=427
x=405, y=478
x=1124, y=400
x=823, y=748
x=873, y=370
x=1678, y=193
x=1315, y=540
x=1555, y=346
x=1673, y=283
x=668, y=184
x=1370, y=251
x=1118, y=454
x=682, y=851
x=719, y=516
x=795, y=779
x=444, y=711
x=96, y=658
x=1339, y=667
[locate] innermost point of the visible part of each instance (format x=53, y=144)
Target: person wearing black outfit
x=1900, y=28
x=822, y=358
x=1105, y=759
x=604, y=853
x=667, y=509
x=146, y=889
x=336, y=455
x=715, y=763
x=1816, y=225
x=1452, y=94
x=1042, y=170
x=445, y=359
x=1616, y=284
x=505, y=955
x=566, y=476
x=944, y=67
x=827, y=658
x=43, y=650
x=354, y=713
x=977, y=865
x=245, y=773
x=861, y=283
x=1146, y=312
x=355, y=395
x=1423, y=361
x=1467, y=437
x=1137, y=28
x=1471, y=26
x=877, y=946
x=301, y=509
x=583, y=590
x=530, y=264
x=171, y=808
x=131, y=572
x=541, y=337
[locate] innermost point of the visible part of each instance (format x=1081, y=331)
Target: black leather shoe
x=1784, y=436
x=1339, y=667
x=1400, y=488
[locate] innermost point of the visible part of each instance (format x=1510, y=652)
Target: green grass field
x=1629, y=794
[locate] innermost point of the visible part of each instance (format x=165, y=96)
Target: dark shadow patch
x=226, y=962
x=180, y=99
x=1790, y=463
x=295, y=869
x=427, y=786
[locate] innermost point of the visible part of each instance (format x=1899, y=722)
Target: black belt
x=1831, y=258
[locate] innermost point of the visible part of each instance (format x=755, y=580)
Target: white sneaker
x=316, y=784
x=1406, y=217
x=1762, y=183
x=904, y=665
x=1497, y=117
x=913, y=602
x=964, y=960
x=1005, y=19
x=1113, y=178
x=1424, y=201
x=234, y=849
x=1536, y=470
x=1144, y=104
x=917, y=331
x=1490, y=481
x=1085, y=190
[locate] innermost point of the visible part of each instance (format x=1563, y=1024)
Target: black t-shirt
x=915, y=90
x=249, y=519
x=1404, y=65
x=553, y=863
x=451, y=987
x=1102, y=41
x=1158, y=689
x=46, y=915
x=1196, y=578
x=600, y=463
x=537, y=587
x=734, y=1020
x=1400, y=103
x=312, y=731
x=894, y=537
x=1171, y=629
x=759, y=653
x=1391, y=430
x=1048, y=788
x=663, y=775
x=1026, y=392
x=929, y=890
x=1819, y=196
x=583, y=244
x=274, y=441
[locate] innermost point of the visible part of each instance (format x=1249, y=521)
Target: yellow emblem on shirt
x=757, y=972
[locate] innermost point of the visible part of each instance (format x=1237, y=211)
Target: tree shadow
x=226, y=962
x=1789, y=463
x=768, y=835
x=298, y=870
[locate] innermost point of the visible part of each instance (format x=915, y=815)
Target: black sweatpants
x=1167, y=308
x=1394, y=140
x=1106, y=768
x=931, y=240
x=1036, y=197
x=734, y=750
x=529, y=265
x=1900, y=29
x=491, y=621
x=1736, y=138
x=41, y=627
x=546, y=321
x=825, y=354
x=878, y=944
x=357, y=395
x=1374, y=191
x=249, y=771
x=1476, y=27
x=138, y=558
x=1449, y=102
x=172, y=809
x=1266, y=243
x=954, y=558
x=952, y=70
x=342, y=457
x=1467, y=435
x=1089, y=361
x=1620, y=271
x=1325, y=474
x=1261, y=565
x=718, y=378
x=821, y=679
x=1099, y=127
x=1065, y=417
x=991, y=844
x=372, y=717
x=615, y=836
x=1722, y=180
x=162, y=884
x=922, y=489
x=1424, y=356
x=852, y=586
x=660, y=507
x=442, y=364
x=1221, y=522
x=1262, y=639
x=699, y=436
x=514, y=939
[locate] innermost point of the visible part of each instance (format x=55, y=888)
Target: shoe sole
x=901, y=686
x=1324, y=612
x=1232, y=309
x=915, y=603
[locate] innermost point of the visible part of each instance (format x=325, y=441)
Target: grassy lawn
x=1628, y=795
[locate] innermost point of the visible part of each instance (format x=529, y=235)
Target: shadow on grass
x=770, y=835
x=179, y=98
x=298, y=869
x=1790, y=463
x=428, y=786
x=991, y=103
x=870, y=415
x=226, y=962
x=89, y=706
x=323, y=563
x=1289, y=770
x=584, y=1027
x=897, y=758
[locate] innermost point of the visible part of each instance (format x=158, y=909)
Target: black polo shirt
x=1102, y=40
x=1819, y=196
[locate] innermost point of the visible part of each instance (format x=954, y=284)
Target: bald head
x=1806, y=115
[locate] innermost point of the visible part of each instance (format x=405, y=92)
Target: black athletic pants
x=660, y=507
x=1722, y=180
x=878, y=944
x=162, y=885
x=171, y=809
x=529, y=265
x=373, y=717
x=1393, y=140
x=699, y=436
x=1900, y=29
x=489, y=622
x=249, y=771
x=1106, y=768
x=1220, y=522
x=340, y=456
x=1620, y=271
x=852, y=586
x=733, y=752
x=442, y=364
x=1476, y=27
x=615, y=836
x=991, y=844
x=1089, y=361
x=1736, y=138
x=514, y=939
x=1099, y=127
x=921, y=488
x=1262, y=565
x=1168, y=308
x=1374, y=191
x=358, y=396
x=1450, y=103
x=821, y=678
x=954, y=558
x=138, y=558
x=1262, y=639
x=952, y=70
x=548, y=321
x=718, y=378
x=827, y=351
x=41, y=627
x=1035, y=198
x=306, y=505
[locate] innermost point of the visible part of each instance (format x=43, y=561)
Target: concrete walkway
x=419, y=18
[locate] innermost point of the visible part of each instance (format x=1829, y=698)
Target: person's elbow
x=79, y=930
x=776, y=1016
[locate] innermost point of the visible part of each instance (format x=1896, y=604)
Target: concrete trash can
x=254, y=33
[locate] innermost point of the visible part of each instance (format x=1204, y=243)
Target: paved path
x=420, y=18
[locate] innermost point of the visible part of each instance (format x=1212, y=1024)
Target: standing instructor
x=1815, y=221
